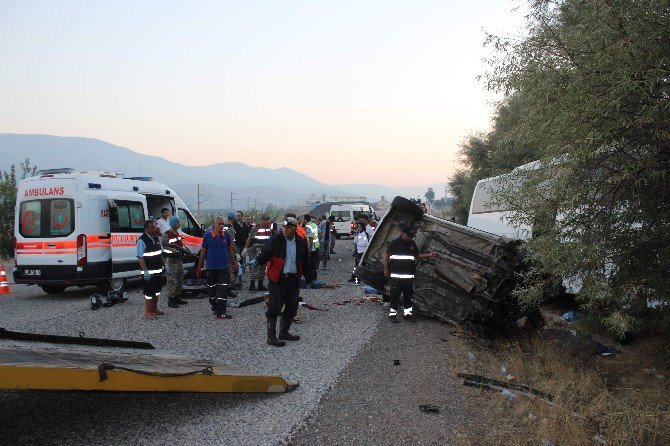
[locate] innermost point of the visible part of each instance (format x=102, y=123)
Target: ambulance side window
x=126, y=216
x=188, y=225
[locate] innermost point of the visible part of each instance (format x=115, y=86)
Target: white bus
x=491, y=217
x=494, y=218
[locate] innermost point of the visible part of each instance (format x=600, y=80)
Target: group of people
x=283, y=252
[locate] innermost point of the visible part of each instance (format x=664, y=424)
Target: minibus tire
x=49, y=289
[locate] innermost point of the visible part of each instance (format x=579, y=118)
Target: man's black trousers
x=217, y=281
x=404, y=287
x=314, y=263
x=283, y=293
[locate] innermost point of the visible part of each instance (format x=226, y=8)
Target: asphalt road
x=350, y=392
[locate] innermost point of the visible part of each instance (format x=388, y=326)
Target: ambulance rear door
x=127, y=214
x=46, y=235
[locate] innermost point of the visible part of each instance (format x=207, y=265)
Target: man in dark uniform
x=287, y=259
x=150, y=256
x=399, y=266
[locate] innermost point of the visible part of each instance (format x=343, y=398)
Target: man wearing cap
x=259, y=236
x=399, y=266
x=219, y=250
x=173, y=251
x=287, y=259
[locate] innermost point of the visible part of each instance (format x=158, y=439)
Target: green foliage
x=8, y=183
x=430, y=195
x=487, y=155
x=592, y=84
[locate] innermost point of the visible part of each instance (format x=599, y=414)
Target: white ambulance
x=77, y=228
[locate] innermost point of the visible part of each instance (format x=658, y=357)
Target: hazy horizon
x=353, y=92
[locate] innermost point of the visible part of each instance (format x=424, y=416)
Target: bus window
x=481, y=201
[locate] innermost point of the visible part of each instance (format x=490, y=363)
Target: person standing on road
x=259, y=236
x=370, y=225
x=333, y=234
x=174, y=268
x=229, y=227
x=163, y=222
x=219, y=251
x=325, y=234
x=241, y=231
x=361, y=239
x=150, y=256
x=399, y=266
x=312, y=231
x=287, y=259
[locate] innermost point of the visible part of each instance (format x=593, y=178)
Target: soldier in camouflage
x=173, y=262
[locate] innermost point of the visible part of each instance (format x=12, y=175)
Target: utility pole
x=200, y=201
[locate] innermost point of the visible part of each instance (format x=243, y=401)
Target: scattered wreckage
x=469, y=282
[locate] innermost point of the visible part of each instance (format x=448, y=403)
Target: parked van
x=346, y=216
x=80, y=228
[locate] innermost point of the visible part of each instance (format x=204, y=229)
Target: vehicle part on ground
x=468, y=283
x=45, y=362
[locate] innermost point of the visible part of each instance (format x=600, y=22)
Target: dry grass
x=597, y=400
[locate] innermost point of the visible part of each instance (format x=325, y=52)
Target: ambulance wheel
x=111, y=285
x=52, y=289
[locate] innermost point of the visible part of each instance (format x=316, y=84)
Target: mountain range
x=249, y=185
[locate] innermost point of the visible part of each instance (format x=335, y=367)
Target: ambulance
x=78, y=228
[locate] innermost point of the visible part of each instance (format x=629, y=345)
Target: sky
x=345, y=92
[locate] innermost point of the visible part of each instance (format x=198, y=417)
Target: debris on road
x=429, y=408
x=483, y=382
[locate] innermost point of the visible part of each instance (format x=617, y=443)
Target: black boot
x=252, y=285
x=284, y=325
x=172, y=303
x=272, y=333
x=181, y=301
x=261, y=287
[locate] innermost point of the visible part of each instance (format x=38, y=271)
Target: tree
x=8, y=185
x=430, y=195
x=486, y=155
x=593, y=81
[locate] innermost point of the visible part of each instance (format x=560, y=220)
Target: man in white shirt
x=163, y=222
